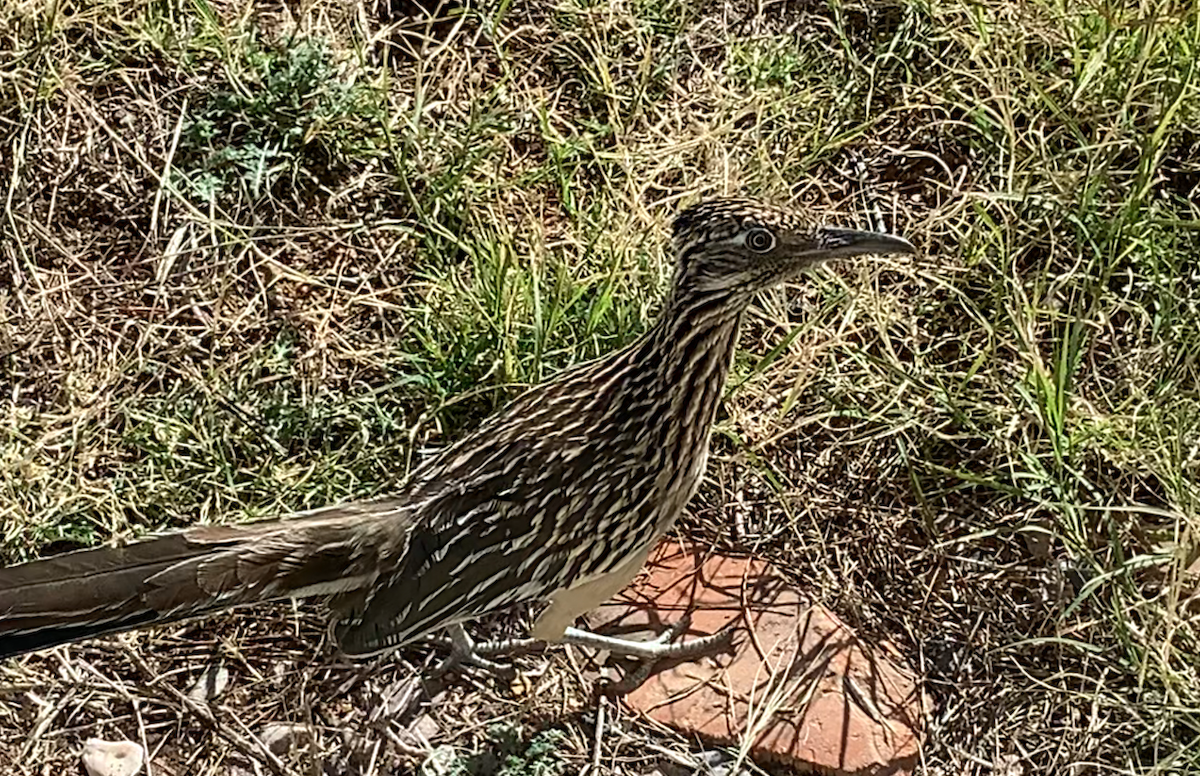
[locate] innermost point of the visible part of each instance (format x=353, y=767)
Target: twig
x=598, y=740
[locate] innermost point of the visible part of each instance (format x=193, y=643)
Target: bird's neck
x=674, y=377
x=691, y=345
x=681, y=364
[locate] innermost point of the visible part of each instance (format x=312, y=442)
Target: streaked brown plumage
x=557, y=497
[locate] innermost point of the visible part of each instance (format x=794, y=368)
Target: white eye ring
x=760, y=240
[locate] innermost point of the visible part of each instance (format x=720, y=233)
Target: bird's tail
x=176, y=576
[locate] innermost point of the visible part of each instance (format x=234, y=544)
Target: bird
x=557, y=498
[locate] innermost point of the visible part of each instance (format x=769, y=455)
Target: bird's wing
x=478, y=544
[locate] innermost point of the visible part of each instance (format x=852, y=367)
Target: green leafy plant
x=292, y=120
x=511, y=754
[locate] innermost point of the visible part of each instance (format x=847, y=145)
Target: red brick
x=800, y=686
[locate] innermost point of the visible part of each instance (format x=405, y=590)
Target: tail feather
x=203, y=570
x=92, y=592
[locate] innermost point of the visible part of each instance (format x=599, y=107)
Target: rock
x=442, y=761
x=425, y=729
x=802, y=688
x=282, y=737
x=112, y=758
x=211, y=683
x=717, y=763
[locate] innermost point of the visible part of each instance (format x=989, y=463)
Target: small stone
x=112, y=758
x=670, y=768
x=399, y=697
x=1038, y=539
x=211, y=683
x=425, y=728
x=711, y=758
x=442, y=761
x=282, y=737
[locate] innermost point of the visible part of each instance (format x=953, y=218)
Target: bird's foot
x=465, y=651
x=661, y=648
x=652, y=652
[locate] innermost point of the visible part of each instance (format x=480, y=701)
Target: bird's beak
x=850, y=242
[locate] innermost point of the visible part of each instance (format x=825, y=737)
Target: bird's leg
x=554, y=625
x=651, y=653
x=661, y=648
x=465, y=650
x=555, y=622
x=508, y=646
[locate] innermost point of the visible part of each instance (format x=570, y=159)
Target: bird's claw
x=464, y=651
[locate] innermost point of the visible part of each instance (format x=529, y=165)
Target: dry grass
x=259, y=257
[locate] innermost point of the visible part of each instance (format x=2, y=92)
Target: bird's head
x=743, y=246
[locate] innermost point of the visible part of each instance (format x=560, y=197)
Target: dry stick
x=365, y=669
x=141, y=723
x=251, y=746
x=45, y=717
x=777, y=694
x=373, y=763
x=163, y=182
x=403, y=746
x=123, y=691
x=682, y=759
x=396, y=703
x=166, y=170
x=17, y=154
x=599, y=737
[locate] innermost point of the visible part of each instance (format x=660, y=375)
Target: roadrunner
x=557, y=498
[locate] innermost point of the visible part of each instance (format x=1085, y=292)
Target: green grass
x=255, y=262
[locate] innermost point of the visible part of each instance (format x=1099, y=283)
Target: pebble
x=282, y=737
x=211, y=684
x=112, y=758
x=442, y=761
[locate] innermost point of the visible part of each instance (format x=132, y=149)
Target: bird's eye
x=760, y=240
